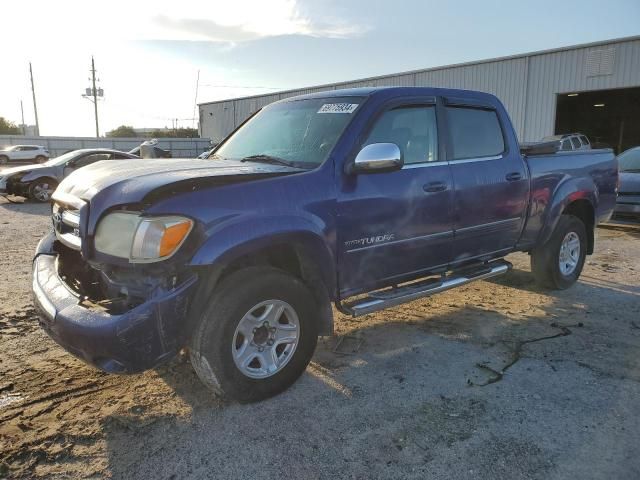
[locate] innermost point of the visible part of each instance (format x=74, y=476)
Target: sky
x=148, y=53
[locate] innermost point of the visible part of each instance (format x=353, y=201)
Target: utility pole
x=195, y=100
x=95, y=94
x=35, y=108
x=24, y=127
x=92, y=93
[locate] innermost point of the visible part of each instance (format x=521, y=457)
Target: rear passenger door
x=491, y=182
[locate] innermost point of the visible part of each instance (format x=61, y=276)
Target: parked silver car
x=628, y=202
x=39, y=181
x=570, y=141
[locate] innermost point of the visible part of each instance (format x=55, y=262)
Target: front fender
x=567, y=192
x=38, y=174
x=253, y=232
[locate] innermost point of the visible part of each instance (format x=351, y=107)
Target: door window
x=412, y=128
x=566, y=145
x=575, y=142
x=89, y=159
x=474, y=133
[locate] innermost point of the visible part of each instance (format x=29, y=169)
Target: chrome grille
x=66, y=223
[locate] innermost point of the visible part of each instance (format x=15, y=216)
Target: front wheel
x=41, y=190
x=558, y=263
x=256, y=334
x=41, y=159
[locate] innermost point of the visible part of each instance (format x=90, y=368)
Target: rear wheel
x=4, y=159
x=41, y=190
x=256, y=335
x=558, y=263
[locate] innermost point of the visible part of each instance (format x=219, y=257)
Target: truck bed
x=579, y=170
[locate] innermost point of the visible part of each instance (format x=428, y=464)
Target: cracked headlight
x=141, y=239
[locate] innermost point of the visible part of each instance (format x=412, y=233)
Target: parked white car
x=570, y=141
x=17, y=153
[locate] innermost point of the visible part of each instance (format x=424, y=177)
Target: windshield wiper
x=263, y=158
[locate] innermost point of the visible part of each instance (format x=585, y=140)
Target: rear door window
x=575, y=142
x=584, y=140
x=474, y=133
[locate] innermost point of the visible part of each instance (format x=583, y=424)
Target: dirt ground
x=498, y=379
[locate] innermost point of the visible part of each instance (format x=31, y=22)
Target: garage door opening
x=610, y=118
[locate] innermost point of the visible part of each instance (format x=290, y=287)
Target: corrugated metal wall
x=526, y=84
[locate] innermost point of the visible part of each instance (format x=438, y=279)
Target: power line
x=195, y=100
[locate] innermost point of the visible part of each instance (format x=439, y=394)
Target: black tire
x=42, y=189
x=41, y=159
x=4, y=159
x=212, y=342
x=545, y=260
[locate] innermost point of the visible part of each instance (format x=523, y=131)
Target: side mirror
x=378, y=158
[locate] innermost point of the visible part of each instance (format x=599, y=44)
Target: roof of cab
x=390, y=92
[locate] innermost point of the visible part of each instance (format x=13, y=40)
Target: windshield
x=301, y=133
x=630, y=160
x=61, y=159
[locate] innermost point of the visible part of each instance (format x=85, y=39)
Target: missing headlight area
x=112, y=290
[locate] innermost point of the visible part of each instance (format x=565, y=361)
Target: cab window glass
x=413, y=129
x=474, y=133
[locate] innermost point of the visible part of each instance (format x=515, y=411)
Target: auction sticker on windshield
x=338, y=108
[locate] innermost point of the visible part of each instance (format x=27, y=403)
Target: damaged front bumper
x=128, y=342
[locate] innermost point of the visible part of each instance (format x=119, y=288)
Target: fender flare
x=307, y=235
x=569, y=191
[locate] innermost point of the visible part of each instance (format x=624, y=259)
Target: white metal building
x=591, y=88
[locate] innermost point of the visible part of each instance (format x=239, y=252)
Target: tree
x=176, y=133
x=122, y=131
x=9, y=128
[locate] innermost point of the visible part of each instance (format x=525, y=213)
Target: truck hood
x=629, y=182
x=120, y=182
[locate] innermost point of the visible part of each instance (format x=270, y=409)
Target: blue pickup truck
x=364, y=198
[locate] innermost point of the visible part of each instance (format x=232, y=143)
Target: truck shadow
x=411, y=384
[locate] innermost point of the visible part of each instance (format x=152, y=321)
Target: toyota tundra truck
x=361, y=198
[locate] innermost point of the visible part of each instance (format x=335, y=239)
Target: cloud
x=245, y=20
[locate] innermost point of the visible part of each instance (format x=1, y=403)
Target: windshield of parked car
x=300, y=133
x=629, y=161
x=62, y=159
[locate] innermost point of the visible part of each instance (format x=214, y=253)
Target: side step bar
x=381, y=299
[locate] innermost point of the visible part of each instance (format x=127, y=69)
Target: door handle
x=434, y=187
x=513, y=176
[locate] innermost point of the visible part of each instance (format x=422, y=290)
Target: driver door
x=395, y=226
